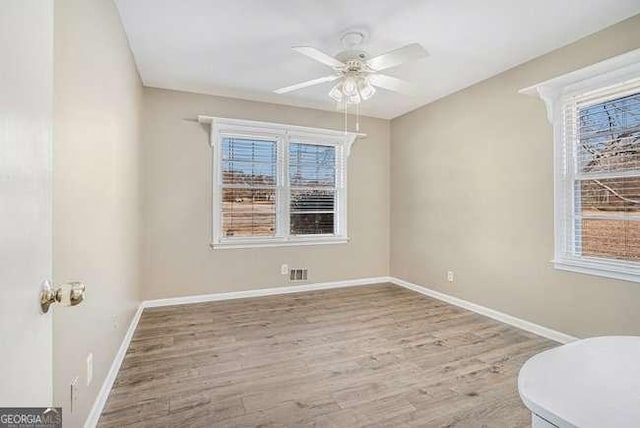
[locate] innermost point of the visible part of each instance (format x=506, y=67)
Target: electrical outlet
x=114, y=321
x=284, y=269
x=450, y=276
x=89, y=368
x=74, y=393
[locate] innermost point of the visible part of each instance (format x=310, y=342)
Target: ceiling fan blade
x=398, y=56
x=391, y=84
x=306, y=84
x=319, y=56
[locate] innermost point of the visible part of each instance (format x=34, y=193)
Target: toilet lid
x=588, y=383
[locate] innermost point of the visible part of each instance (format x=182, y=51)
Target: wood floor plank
x=371, y=356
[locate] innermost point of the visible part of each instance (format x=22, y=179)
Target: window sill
x=229, y=245
x=599, y=267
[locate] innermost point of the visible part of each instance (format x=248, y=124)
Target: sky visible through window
x=312, y=165
x=309, y=164
x=251, y=159
x=608, y=134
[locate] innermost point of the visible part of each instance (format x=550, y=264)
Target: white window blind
x=601, y=202
x=312, y=189
x=249, y=182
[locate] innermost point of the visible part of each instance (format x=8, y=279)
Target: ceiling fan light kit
x=352, y=89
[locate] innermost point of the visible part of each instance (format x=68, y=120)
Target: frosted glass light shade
x=336, y=93
x=349, y=86
x=366, y=89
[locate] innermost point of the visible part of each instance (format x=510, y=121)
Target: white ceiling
x=241, y=48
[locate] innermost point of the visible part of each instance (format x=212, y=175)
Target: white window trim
x=281, y=133
x=553, y=92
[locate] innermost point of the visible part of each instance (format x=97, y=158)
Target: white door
x=26, y=86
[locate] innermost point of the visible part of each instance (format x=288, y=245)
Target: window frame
x=282, y=135
x=557, y=94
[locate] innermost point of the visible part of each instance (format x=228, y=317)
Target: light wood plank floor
x=363, y=356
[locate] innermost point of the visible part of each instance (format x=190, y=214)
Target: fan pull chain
x=345, y=116
x=358, y=117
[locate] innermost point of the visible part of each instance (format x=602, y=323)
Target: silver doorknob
x=69, y=294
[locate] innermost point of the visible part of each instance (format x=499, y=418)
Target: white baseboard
x=491, y=313
x=263, y=292
x=105, y=389
x=101, y=400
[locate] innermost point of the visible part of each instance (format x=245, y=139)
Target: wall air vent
x=298, y=275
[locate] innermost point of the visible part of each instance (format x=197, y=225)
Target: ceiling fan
x=357, y=74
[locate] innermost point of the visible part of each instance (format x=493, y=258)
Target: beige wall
x=177, y=259
x=96, y=205
x=472, y=192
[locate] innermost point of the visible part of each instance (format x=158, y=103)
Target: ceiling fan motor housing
x=351, y=55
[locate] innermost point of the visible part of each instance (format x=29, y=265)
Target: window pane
x=610, y=195
x=248, y=173
x=610, y=209
x=312, y=165
x=609, y=136
x=312, y=200
x=249, y=162
x=312, y=224
x=612, y=239
x=248, y=212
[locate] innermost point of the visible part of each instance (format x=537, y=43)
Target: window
x=596, y=118
x=278, y=184
x=606, y=176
